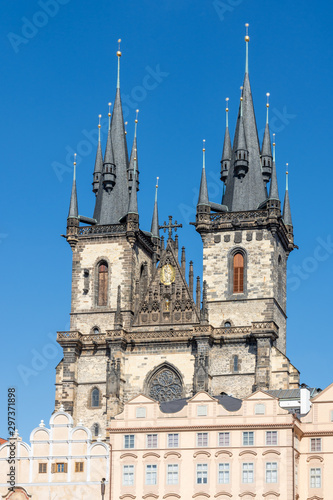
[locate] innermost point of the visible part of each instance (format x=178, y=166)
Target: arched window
x=95, y=398
x=236, y=366
x=238, y=273
x=95, y=331
x=165, y=385
x=102, y=292
x=227, y=324
x=95, y=430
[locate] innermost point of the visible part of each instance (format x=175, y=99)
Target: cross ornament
x=170, y=226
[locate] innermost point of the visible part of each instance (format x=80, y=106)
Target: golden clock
x=168, y=274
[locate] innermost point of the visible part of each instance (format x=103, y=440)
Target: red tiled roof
x=2, y=441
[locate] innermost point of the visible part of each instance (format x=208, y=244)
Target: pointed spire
x=109, y=114
x=73, y=208
x=273, y=188
x=118, y=320
x=134, y=153
x=227, y=149
x=183, y=261
x=190, y=279
x=133, y=203
x=119, y=56
x=98, y=161
x=154, y=223
x=266, y=151
x=198, y=294
x=286, y=205
x=203, y=193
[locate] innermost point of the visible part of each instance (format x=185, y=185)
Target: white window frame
x=129, y=440
x=151, y=474
x=202, y=474
x=315, y=477
x=247, y=472
x=271, y=473
x=224, y=436
x=223, y=473
x=172, y=474
x=128, y=475
x=201, y=437
x=202, y=410
x=172, y=440
x=315, y=445
x=247, y=437
x=269, y=437
x=259, y=409
x=151, y=441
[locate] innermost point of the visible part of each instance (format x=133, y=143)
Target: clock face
x=168, y=274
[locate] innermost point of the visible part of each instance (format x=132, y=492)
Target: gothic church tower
x=135, y=326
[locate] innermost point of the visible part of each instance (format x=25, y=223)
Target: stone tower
x=135, y=326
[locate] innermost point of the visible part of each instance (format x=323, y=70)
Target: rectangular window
x=202, y=473
x=271, y=438
x=129, y=441
x=61, y=467
x=315, y=478
x=248, y=473
x=128, y=475
x=141, y=412
x=224, y=438
x=202, y=439
x=172, y=474
x=173, y=440
x=271, y=472
x=315, y=444
x=151, y=474
x=248, y=438
x=259, y=409
x=42, y=468
x=151, y=440
x=331, y=415
x=78, y=466
x=202, y=411
x=224, y=473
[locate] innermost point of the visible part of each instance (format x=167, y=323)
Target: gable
x=202, y=396
x=141, y=399
x=167, y=300
x=259, y=395
x=324, y=396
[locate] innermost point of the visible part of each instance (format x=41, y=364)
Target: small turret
x=73, y=212
x=227, y=149
x=286, y=206
x=241, y=165
x=99, y=161
x=133, y=202
x=109, y=168
x=134, y=152
x=203, y=193
x=266, y=152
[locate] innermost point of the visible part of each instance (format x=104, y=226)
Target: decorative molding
x=201, y=452
x=150, y=495
x=125, y=455
x=314, y=457
x=315, y=498
x=223, y=452
x=224, y=493
x=271, y=451
x=202, y=494
x=247, y=452
x=247, y=493
x=127, y=495
x=215, y=427
x=271, y=493
x=151, y=454
x=171, y=495
x=170, y=453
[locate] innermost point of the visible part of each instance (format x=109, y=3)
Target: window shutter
x=53, y=468
x=65, y=467
x=238, y=273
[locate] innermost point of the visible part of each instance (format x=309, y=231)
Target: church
x=140, y=324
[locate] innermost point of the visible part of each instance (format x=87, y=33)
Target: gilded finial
x=118, y=51
x=226, y=112
x=274, y=147
x=287, y=173
x=136, y=122
x=267, y=105
x=204, y=153
x=125, y=128
x=156, y=188
x=119, y=55
x=109, y=113
x=99, y=128
x=247, y=39
x=74, y=163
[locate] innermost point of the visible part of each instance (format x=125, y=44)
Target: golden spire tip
x=203, y=145
x=247, y=38
x=136, y=117
x=227, y=108
x=118, y=51
x=267, y=104
x=125, y=128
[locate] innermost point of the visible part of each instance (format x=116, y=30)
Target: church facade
x=139, y=323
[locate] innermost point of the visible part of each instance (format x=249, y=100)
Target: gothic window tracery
x=95, y=398
x=165, y=385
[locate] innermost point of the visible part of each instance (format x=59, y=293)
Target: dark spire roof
x=154, y=223
x=133, y=202
x=273, y=188
x=227, y=148
x=203, y=193
x=286, y=206
x=112, y=203
x=73, y=212
x=249, y=192
x=134, y=154
x=266, y=143
x=98, y=162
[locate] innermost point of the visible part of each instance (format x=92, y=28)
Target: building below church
x=200, y=447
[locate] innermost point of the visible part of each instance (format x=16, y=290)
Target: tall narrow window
x=102, y=298
x=95, y=430
x=95, y=398
x=236, y=365
x=238, y=273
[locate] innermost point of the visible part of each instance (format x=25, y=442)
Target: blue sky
x=59, y=72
